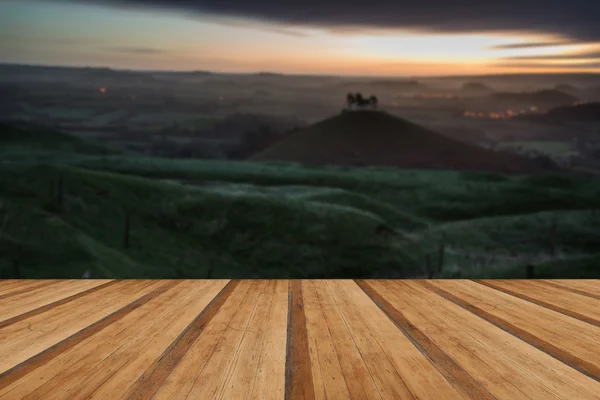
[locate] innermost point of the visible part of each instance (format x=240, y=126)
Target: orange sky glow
x=67, y=34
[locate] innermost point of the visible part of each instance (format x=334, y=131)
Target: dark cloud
x=532, y=44
x=136, y=50
x=571, y=56
x=548, y=65
x=574, y=19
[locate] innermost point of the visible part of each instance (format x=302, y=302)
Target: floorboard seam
x=55, y=304
x=42, y=358
x=299, y=383
x=570, y=289
x=446, y=365
x=563, y=356
x=28, y=289
x=541, y=303
x=156, y=374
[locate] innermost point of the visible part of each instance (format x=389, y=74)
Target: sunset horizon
x=155, y=36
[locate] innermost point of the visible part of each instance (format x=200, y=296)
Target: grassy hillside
x=36, y=139
x=195, y=218
x=359, y=138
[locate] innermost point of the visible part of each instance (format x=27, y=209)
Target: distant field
x=73, y=113
x=109, y=117
x=200, y=122
x=554, y=148
x=192, y=119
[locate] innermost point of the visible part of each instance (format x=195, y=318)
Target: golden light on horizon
x=151, y=40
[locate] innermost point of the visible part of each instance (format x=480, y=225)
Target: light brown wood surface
x=310, y=339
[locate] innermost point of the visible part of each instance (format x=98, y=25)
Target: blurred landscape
x=116, y=173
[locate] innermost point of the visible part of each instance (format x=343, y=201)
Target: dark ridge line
x=298, y=371
x=470, y=387
x=157, y=373
x=541, y=303
x=570, y=289
x=40, y=359
x=30, y=288
x=57, y=303
x=563, y=356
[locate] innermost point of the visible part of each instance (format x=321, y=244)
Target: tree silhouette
x=360, y=100
x=373, y=100
x=350, y=99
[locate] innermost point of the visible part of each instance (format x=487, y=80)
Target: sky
x=331, y=37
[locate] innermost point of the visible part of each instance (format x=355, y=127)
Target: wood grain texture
x=562, y=301
x=57, y=303
x=149, y=383
x=392, y=360
x=13, y=288
x=72, y=364
x=19, y=370
x=448, y=367
x=492, y=356
x=186, y=374
x=298, y=374
x=545, y=329
x=590, y=290
x=313, y=339
x=25, y=339
x=590, y=286
x=269, y=381
x=42, y=295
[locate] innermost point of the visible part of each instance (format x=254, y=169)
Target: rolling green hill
x=197, y=218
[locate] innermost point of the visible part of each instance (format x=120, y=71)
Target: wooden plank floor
x=311, y=339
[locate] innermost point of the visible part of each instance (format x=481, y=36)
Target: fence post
x=552, y=235
x=429, y=267
x=59, y=194
x=441, y=256
x=127, y=228
x=530, y=272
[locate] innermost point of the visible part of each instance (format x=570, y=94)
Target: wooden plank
x=65, y=368
x=28, y=329
x=385, y=348
x=585, y=288
x=591, y=286
x=245, y=362
x=571, y=341
x=221, y=344
x=299, y=376
x=27, y=338
x=7, y=285
x=49, y=307
x=378, y=339
x=447, y=366
x=269, y=381
x=328, y=376
x=153, y=378
x=572, y=304
x=17, y=372
x=13, y=288
x=360, y=380
x=38, y=297
x=215, y=374
x=505, y=365
x=118, y=372
x=181, y=380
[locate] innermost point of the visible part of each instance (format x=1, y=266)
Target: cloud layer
x=574, y=19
